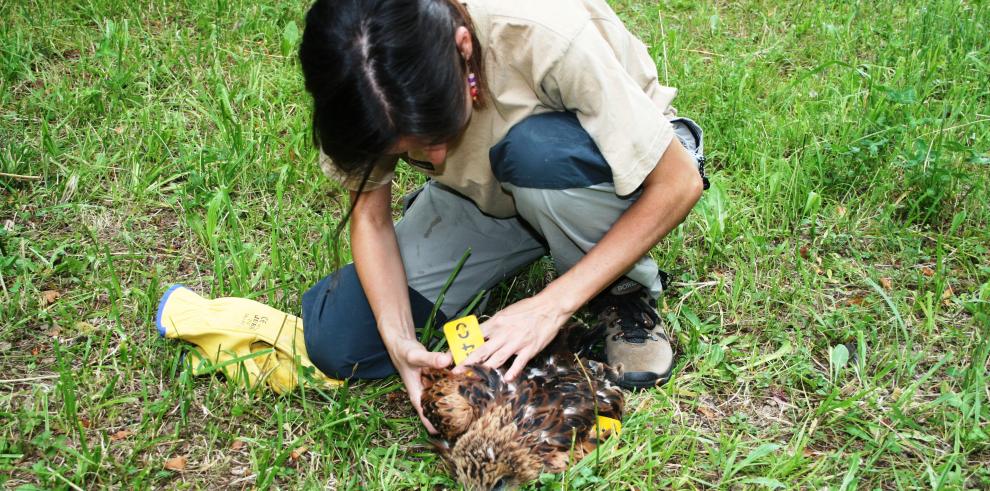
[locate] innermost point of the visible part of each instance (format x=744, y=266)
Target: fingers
x=479, y=355
x=426, y=422
x=500, y=356
x=414, y=389
x=517, y=366
x=419, y=410
x=420, y=357
x=442, y=360
x=487, y=328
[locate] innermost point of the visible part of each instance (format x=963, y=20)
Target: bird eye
x=500, y=485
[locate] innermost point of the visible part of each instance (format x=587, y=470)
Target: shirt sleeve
x=625, y=122
x=382, y=174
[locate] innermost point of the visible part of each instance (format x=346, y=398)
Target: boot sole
x=644, y=384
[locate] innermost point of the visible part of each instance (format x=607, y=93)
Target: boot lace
x=635, y=319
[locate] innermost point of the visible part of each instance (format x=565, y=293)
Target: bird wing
x=609, y=397
x=557, y=406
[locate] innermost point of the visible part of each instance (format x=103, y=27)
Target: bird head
x=492, y=454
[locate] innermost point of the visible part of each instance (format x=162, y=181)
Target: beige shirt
x=554, y=55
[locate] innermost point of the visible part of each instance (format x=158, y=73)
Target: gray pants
x=440, y=225
x=561, y=213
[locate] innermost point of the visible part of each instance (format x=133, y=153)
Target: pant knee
x=340, y=330
x=532, y=203
x=339, y=327
x=549, y=151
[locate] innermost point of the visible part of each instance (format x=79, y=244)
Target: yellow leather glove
x=251, y=343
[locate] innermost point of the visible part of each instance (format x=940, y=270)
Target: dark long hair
x=379, y=70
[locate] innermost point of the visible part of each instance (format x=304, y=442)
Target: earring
x=473, y=82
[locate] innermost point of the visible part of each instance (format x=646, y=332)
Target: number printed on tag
x=463, y=337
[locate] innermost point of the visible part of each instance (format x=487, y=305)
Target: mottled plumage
x=498, y=434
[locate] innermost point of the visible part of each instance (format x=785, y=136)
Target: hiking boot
x=635, y=341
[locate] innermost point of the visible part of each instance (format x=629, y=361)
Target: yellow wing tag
x=608, y=424
x=463, y=337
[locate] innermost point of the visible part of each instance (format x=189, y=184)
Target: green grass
x=832, y=304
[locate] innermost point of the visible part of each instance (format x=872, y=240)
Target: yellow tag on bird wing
x=463, y=337
x=608, y=424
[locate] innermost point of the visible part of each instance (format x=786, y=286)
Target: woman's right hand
x=410, y=357
x=383, y=277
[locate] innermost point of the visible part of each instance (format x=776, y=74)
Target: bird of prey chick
x=500, y=435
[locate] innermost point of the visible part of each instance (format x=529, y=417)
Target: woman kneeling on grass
x=543, y=129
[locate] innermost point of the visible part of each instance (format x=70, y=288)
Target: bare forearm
x=383, y=277
x=669, y=193
x=379, y=266
x=527, y=326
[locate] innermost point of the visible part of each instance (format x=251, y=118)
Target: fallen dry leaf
x=948, y=293
x=804, y=251
x=707, y=413
x=299, y=452
x=177, y=464
x=887, y=283
x=121, y=435
x=929, y=272
x=49, y=297
x=85, y=422
x=237, y=445
x=856, y=301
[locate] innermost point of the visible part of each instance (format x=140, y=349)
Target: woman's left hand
x=522, y=329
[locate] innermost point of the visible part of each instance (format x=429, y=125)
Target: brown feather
x=451, y=402
x=507, y=433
